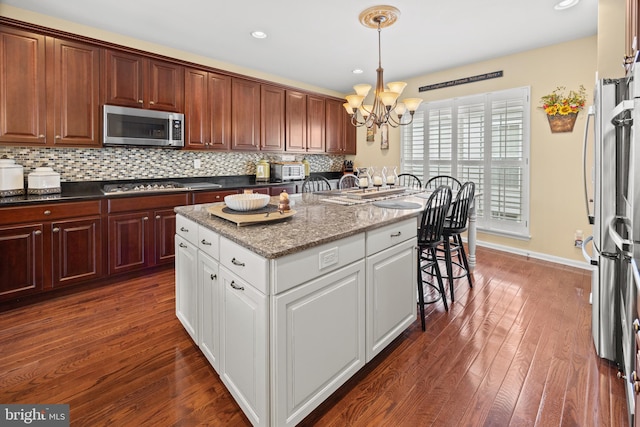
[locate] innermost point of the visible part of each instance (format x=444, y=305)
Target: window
x=480, y=138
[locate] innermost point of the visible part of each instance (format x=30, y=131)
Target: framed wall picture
x=371, y=134
x=384, y=137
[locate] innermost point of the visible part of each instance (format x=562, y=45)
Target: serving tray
x=372, y=193
x=267, y=214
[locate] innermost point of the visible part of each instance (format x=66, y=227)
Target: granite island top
x=316, y=222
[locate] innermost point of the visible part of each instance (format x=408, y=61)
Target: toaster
x=287, y=171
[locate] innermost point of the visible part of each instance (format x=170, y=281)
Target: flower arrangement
x=557, y=103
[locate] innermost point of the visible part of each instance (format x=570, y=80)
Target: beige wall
x=557, y=197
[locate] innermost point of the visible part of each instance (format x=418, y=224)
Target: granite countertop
x=315, y=222
x=91, y=190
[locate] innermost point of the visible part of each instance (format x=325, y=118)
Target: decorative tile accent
x=111, y=163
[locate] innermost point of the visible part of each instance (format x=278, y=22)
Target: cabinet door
x=219, y=111
x=209, y=300
x=75, y=113
x=165, y=86
x=350, y=135
x=296, y=121
x=187, y=286
x=272, y=118
x=129, y=237
x=244, y=358
x=77, y=251
x=211, y=196
x=245, y=115
x=315, y=124
x=164, y=230
x=391, y=295
x=123, y=79
x=22, y=87
x=21, y=263
x=334, y=126
x=197, y=120
x=318, y=341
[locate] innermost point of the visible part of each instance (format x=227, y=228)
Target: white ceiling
x=320, y=42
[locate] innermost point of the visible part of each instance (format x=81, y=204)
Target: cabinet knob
x=37, y=232
x=184, y=230
x=145, y=218
x=57, y=136
x=140, y=101
x=158, y=217
x=214, y=276
x=41, y=136
x=234, y=286
x=47, y=212
x=182, y=245
x=55, y=229
x=204, y=242
x=234, y=261
x=151, y=102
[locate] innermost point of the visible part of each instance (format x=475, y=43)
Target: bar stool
x=429, y=238
x=454, y=226
x=439, y=180
x=348, y=180
x=409, y=180
x=315, y=183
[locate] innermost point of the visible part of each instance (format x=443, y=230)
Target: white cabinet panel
x=245, y=264
x=209, y=242
x=318, y=341
x=244, y=358
x=187, y=285
x=187, y=229
x=391, y=294
x=389, y=235
x=209, y=299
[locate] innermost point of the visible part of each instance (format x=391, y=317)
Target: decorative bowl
x=246, y=202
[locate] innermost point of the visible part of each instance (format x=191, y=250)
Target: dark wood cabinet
x=132, y=80
x=315, y=124
x=350, y=135
x=207, y=110
x=211, y=196
x=76, y=250
x=22, y=260
x=23, y=107
x=632, y=30
x=277, y=189
x=296, y=121
x=74, y=112
x=245, y=115
x=141, y=231
x=272, y=118
x=340, y=138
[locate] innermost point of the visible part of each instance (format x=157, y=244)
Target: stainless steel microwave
x=124, y=126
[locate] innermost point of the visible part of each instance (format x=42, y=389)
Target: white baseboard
x=545, y=257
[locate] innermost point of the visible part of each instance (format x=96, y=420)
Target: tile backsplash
x=111, y=163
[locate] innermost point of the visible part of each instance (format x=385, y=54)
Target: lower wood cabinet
x=21, y=263
x=77, y=250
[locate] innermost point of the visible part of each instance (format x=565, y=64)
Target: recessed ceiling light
x=357, y=71
x=565, y=4
x=259, y=35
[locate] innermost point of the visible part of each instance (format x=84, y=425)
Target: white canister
x=44, y=181
x=11, y=178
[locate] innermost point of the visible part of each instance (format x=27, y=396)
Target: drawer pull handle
x=214, y=276
x=55, y=229
x=184, y=230
x=396, y=234
x=37, y=232
x=235, y=262
x=182, y=245
x=234, y=286
x=47, y=212
x=204, y=242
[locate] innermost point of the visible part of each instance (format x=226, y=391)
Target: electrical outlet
x=196, y=164
x=577, y=240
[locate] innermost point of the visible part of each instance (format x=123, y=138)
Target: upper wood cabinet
x=245, y=115
x=132, y=80
x=296, y=121
x=272, y=118
x=340, y=138
x=207, y=110
x=23, y=103
x=315, y=124
x=632, y=29
x=75, y=118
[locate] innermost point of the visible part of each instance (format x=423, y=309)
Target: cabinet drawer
x=47, y=212
x=187, y=229
x=244, y=263
x=127, y=204
x=297, y=268
x=392, y=234
x=209, y=242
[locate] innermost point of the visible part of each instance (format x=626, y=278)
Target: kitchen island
x=288, y=311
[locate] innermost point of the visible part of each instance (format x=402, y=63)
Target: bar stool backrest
x=460, y=208
x=433, y=217
x=409, y=180
x=439, y=180
x=315, y=183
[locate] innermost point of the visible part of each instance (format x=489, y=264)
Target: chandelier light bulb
x=388, y=98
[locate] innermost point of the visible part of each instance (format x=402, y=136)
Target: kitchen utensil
x=44, y=180
x=246, y=202
x=11, y=178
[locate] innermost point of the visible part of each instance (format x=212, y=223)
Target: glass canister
x=363, y=177
x=392, y=175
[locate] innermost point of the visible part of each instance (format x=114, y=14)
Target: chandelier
x=385, y=102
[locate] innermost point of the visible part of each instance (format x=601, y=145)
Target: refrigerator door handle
x=619, y=118
x=586, y=256
x=625, y=245
x=590, y=214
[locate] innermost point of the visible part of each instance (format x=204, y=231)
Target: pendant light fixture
x=385, y=107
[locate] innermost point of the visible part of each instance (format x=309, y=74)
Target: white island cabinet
x=286, y=313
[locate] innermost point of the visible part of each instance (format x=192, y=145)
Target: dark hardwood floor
x=514, y=350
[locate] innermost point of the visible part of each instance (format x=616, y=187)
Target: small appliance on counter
x=287, y=171
x=262, y=171
x=347, y=166
x=11, y=178
x=44, y=180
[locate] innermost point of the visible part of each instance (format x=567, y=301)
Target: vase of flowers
x=562, y=109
